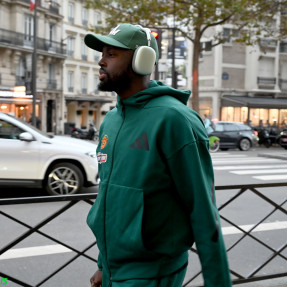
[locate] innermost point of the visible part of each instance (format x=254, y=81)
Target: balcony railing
x=264, y=82
x=51, y=84
x=268, y=43
x=26, y=41
x=283, y=85
x=70, y=53
x=283, y=47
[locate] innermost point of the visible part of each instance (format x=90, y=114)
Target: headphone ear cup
x=144, y=60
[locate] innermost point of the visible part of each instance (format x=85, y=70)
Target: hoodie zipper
x=123, y=116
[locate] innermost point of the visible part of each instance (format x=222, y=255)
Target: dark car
x=282, y=139
x=234, y=135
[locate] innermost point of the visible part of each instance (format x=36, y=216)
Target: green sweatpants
x=173, y=280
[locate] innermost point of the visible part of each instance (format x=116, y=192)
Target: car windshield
x=31, y=126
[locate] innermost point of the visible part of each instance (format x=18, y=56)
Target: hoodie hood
x=156, y=89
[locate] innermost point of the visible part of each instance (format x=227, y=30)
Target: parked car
x=29, y=157
x=234, y=135
x=282, y=139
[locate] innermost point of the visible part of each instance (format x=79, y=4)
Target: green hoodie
x=156, y=196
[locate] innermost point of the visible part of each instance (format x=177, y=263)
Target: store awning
x=254, y=102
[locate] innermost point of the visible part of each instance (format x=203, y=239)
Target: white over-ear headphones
x=144, y=57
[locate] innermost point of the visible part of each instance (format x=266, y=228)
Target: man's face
x=116, y=69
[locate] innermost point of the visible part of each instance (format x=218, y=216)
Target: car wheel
x=244, y=144
x=64, y=178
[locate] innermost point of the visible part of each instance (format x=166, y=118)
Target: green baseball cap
x=126, y=36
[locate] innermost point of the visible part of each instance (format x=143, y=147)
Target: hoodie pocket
x=124, y=216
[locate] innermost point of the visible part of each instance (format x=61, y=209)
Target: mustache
x=103, y=70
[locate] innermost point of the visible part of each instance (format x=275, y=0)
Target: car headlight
x=92, y=154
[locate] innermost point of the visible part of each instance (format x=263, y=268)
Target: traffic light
x=157, y=34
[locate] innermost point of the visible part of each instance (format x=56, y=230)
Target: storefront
x=266, y=111
x=18, y=104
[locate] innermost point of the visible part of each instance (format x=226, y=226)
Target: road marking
x=249, y=160
x=262, y=227
x=271, y=177
x=242, y=172
x=57, y=248
x=34, y=251
x=213, y=155
x=230, y=167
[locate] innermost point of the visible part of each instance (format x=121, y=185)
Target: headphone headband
x=148, y=32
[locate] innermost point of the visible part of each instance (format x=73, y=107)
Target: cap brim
x=97, y=42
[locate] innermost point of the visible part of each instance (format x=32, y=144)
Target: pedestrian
x=207, y=124
x=156, y=194
x=38, y=121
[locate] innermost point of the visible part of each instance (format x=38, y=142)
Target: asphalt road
x=37, y=257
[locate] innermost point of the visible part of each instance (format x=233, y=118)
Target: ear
x=144, y=60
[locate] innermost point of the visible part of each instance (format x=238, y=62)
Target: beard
x=116, y=83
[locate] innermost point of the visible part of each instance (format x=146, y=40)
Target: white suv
x=29, y=157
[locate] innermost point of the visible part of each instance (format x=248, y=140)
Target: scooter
x=264, y=137
x=91, y=134
x=282, y=140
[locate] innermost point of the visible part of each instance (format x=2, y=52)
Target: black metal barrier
x=237, y=192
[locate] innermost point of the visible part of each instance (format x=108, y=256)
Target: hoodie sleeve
x=190, y=166
x=100, y=266
x=191, y=169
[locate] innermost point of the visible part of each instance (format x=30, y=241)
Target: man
x=156, y=196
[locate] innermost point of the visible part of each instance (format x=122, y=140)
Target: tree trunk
x=195, y=62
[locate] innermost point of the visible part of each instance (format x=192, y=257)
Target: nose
x=101, y=62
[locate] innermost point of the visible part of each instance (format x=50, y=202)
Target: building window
x=84, y=51
x=97, y=56
x=70, y=47
x=85, y=17
x=96, y=83
x=97, y=19
x=229, y=34
x=28, y=28
x=71, y=13
x=52, y=84
x=205, y=47
x=70, y=81
x=84, y=83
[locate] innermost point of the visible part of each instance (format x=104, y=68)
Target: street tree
x=251, y=19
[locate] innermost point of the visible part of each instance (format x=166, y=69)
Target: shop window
x=283, y=118
x=273, y=117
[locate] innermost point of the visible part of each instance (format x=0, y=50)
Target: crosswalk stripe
x=242, y=172
x=34, y=251
x=232, y=167
x=249, y=160
x=262, y=227
x=271, y=177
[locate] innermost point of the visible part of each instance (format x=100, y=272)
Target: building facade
x=16, y=50
x=243, y=83
x=66, y=72
x=84, y=104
